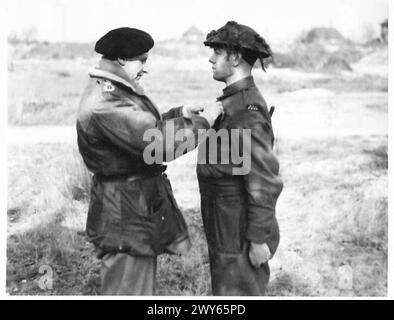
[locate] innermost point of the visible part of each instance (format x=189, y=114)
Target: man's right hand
x=211, y=112
x=189, y=111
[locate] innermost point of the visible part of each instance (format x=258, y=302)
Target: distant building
x=384, y=30
x=193, y=35
x=324, y=35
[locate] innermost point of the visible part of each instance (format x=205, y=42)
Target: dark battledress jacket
x=237, y=209
x=132, y=208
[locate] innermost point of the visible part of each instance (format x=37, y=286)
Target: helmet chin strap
x=262, y=63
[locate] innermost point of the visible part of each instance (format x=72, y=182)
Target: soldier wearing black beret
x=132, y=216
x=238, y=210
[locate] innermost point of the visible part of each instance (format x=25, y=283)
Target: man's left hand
x=189, y=111
x=259, y=254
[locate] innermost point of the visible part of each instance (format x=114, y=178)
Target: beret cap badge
x=108, y=87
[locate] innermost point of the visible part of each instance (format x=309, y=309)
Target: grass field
x=48, y=92
x=329, y=218
x=332, y=212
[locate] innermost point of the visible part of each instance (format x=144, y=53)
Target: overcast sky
x=276, y=20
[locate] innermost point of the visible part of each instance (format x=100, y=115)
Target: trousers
x=123, y=274
x=224, y=215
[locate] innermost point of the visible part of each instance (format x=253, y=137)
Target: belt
x=221, y=186
x=129, y=176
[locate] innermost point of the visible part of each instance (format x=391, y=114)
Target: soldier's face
x=136, y=67
x=222, y=67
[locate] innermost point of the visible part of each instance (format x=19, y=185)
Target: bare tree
x=13, y=37
x=29, y=35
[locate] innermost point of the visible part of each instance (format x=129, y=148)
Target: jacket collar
x=113, y=72
x=108, y=69
x=237, y=86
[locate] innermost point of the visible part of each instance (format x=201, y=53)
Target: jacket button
x=162, y=218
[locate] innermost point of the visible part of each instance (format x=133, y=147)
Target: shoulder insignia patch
x=108, y=87
x=252, y=107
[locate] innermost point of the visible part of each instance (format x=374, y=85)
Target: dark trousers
x=123, y=274
x=224, y=214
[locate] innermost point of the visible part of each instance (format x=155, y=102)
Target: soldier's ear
x=122, y=61
x=237, y=57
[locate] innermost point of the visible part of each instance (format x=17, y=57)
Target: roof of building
x=193, y=31
x=317, y=34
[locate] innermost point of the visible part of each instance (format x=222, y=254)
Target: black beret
x=124, y=43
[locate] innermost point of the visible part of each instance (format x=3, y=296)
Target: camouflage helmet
x=241, y=38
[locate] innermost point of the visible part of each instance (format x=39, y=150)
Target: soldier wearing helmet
x=238, y=211
x=133, y=216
